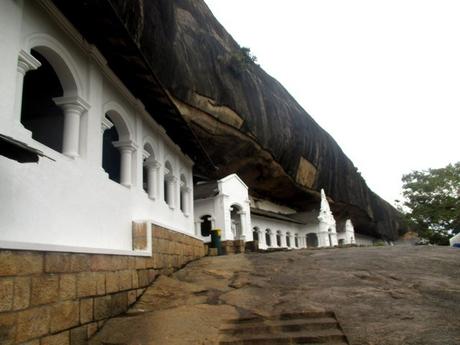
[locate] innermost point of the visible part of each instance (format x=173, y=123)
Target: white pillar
x=185, y=200
x=261, y=235
x=171, y=196
x=152, y=171
x=198, y=228
x=126, y=150
x=73, y=108
x=26, y=62
x=242, y=236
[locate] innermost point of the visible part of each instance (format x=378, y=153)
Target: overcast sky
x=382, y=77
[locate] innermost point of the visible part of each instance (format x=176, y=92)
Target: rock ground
x=380, y=295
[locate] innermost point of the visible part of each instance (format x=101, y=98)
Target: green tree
x=432, y=202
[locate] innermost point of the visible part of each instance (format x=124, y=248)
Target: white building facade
x=225, y=204
x=109, y=163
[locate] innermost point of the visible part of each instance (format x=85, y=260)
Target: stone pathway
x=379, y=296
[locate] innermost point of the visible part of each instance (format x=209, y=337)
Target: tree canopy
x=432, y=202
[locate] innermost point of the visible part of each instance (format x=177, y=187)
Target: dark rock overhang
x=100, y=25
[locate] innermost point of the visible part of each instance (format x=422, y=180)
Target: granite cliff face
x=246, y=121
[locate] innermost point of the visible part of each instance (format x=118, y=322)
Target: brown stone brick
x=100, y=282
x=80, y=263
x=132, y=297
x=139, y=292
x=6, y=294
x=139, y=231
x=152, y=275
x=101, y=263
x=67, y=286
x=112, y=282
x=64, y=316
x=134, y=279
x=102, y=307
x=57, y=263
x=120, y=263
x=119, y=303
x=92, y=329
x=32, y=323
x=20, y=263
x=86, y=284
x=7, y=328
x=125, y=279
x=79, y=336
x=132, y=262
x=21, y=293
x=86, y=310
x=57, y=339
x=143, y=278
x=32, y=342
x=45, y=289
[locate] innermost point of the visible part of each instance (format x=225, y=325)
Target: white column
x=185, y=200
x=261, y=235
x=152, y=171
x=198, y=228
x=126, y=150
x=171, y=197
x=73, y=108
x=26, y=62
x=273, y=239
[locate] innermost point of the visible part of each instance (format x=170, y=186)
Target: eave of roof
x=100, y=25
x=274, y=215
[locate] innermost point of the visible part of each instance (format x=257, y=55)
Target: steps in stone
x=287, y=328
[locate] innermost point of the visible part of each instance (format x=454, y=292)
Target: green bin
x=215, y=240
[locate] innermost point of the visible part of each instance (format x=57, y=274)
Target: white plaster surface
x=72, y=202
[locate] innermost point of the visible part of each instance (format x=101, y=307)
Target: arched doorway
x=268, y=238
x=312, y=240
x=255, y=233
x=288, y=239
x=206, y=225
x=278, y=238
x=111, y=158
x=236, y=224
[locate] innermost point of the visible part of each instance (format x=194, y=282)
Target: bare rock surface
x=381, y=296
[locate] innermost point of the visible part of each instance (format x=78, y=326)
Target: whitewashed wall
x=70, y=203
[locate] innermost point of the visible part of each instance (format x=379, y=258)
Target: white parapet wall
x=69, y=201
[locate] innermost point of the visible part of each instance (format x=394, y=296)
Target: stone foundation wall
x=49, y=298
x=233, y=247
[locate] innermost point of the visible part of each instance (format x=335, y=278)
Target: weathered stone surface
x=6, y=294
x=102, y=307
x=57, y=339
x=86, y=284
x=112, y=281
x=20, y=263
x=45, y=289
x=125, y=279
x=21, y=293
x=32, y=323
x=67, y=286
x=86, y=310
x=7, y=328
x=79, y=336
x=64, y=316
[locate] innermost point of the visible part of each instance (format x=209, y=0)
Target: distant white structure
x=455, y=239
x=226, y=204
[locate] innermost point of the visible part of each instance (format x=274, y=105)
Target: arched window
x=206, y=225
x=268, y=238
x=312, y=240
x=236, y=225
x=50, y=106
x=288, y=239
x=117, y=149
x=168, y=185
x=255, y=233
x=278, y=238
x=111, y=158
x=296, y=240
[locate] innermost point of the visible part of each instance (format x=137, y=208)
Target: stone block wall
x=49, y=298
